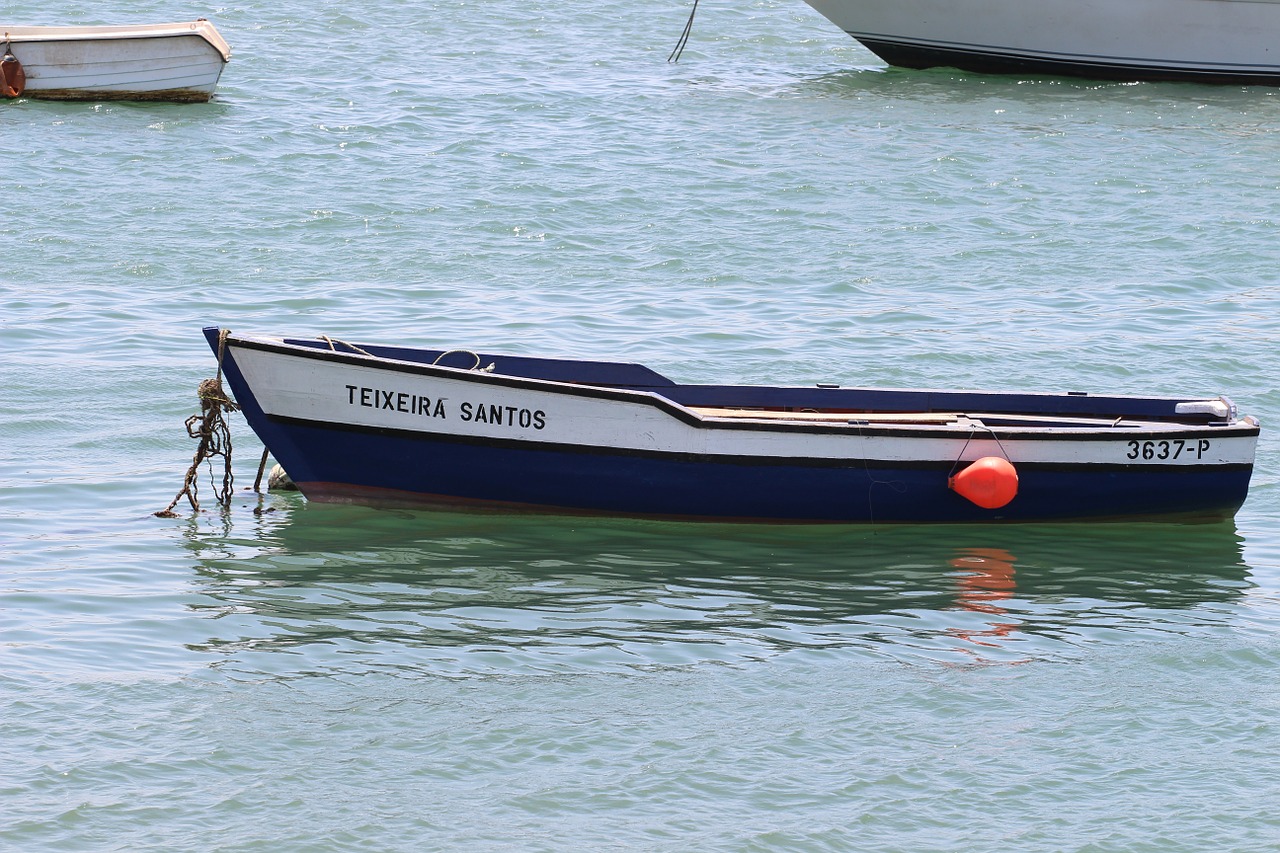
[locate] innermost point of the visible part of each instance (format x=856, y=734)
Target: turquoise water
x=537, y=178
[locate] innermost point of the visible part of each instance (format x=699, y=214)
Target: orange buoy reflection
x=986, y=578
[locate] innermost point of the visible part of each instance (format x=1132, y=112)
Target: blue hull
x=381, y=467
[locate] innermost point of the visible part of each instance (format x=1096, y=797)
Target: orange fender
x=13, y=80
x=991, y=482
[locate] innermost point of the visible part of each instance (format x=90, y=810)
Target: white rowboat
x=152, y=62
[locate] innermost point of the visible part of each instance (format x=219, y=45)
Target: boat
x=396, y=425
x=1222, y=41
x=148, y=62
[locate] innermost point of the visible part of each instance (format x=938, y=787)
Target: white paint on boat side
x=478, y=405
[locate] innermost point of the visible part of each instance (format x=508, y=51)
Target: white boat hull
x=169, y=62
x=1222, y=41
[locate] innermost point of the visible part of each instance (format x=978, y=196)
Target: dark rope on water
x=215, y=440
x=684, y=36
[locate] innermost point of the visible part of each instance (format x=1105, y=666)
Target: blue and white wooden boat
x=147, y=62
x=1206, y=41
x=394, y=425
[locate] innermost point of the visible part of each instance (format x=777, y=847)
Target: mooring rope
x=262, y=466
x=684, y=36
x=215, y=440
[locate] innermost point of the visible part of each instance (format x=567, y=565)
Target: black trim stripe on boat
x=981, y=59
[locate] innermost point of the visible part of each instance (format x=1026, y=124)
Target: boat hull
x=354, y=429
x=169, y=62
x=378, y=468
x=1205, y=41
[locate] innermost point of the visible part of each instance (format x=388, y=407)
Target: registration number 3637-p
x=1168, y=449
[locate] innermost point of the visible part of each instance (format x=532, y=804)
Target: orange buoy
x=990, y=482
x=12, y=78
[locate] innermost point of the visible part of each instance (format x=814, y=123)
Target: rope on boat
x=990, y=482
x=476, y=367
x=684, y=36
x=215, y=440
x=331, y=341
x=973, y=429
x=873, y=479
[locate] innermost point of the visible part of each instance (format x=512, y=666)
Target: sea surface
x=536, y=177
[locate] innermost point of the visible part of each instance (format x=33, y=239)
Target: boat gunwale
x=201, y=29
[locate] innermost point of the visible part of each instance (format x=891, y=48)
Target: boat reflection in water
x=458, y=593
